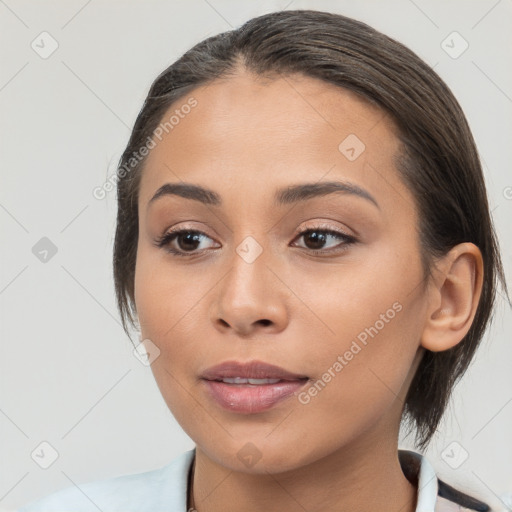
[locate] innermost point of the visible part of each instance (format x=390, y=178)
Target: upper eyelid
x=316, y=224
x=319, y=227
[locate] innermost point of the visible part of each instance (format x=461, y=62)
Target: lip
x=248, y=398
x=249, y=370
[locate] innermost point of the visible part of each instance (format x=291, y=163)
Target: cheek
x=374, y=296
x=371, y=351
x=166, y=297
x=366, y=333
x=360, y=382
x=170, y=306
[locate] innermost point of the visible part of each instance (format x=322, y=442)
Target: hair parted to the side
x=439, y=162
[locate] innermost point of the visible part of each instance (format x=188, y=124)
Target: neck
x=365, y=476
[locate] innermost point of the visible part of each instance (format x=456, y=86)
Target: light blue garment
x=160, y=490
x=165, y=490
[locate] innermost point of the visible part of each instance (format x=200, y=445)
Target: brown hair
x=439, y=161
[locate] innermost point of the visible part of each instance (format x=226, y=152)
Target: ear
x=454, y=295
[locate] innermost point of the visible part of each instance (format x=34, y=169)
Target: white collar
x=418, y=469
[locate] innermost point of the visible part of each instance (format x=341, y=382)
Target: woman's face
x=345, y=309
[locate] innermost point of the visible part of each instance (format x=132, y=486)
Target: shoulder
x=161, y=489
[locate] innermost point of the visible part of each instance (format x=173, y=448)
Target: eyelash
x=165, y=240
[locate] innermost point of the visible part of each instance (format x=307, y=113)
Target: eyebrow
x=284, y=196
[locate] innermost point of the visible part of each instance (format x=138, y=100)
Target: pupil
x=192, y=238
x=317, y=239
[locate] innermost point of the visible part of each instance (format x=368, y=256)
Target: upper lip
x=249, y=370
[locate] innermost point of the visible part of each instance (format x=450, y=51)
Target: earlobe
x=454, y=297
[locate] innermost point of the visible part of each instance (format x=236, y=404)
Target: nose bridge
x=248, y=275
x=250, y=291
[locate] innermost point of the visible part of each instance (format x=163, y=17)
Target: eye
x=316, y=237
x=187, y=240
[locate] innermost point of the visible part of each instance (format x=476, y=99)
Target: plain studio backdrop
x=74, y=74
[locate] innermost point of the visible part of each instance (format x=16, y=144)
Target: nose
x=251, y=299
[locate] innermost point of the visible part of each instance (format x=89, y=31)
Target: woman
x=305, y=245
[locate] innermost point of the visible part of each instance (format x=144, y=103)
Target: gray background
x=67, y=372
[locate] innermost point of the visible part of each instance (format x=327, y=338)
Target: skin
x=245, y=138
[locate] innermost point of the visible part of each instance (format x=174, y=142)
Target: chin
x=259, y=454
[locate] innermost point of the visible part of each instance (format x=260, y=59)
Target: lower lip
x=246, y=398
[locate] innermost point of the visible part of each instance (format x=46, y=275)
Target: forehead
x=257, y=134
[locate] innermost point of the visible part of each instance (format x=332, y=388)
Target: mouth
x=252, y=382
x=252, y=387
x=252, y=370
